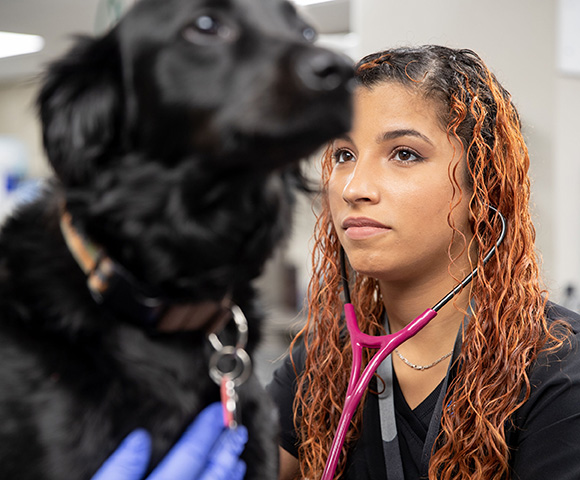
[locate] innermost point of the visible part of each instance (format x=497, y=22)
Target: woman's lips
x=360, y=228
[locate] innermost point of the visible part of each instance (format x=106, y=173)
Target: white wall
x=567, y=182
x=516, y=38
x=18, y=120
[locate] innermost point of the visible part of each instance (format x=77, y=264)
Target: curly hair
x=507, y=329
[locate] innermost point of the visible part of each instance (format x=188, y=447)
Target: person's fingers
x=188, y=458
x=204, y=452
x=239, y=471
x=129, y=461
x=224, y=462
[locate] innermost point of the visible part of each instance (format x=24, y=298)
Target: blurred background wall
x=533, y=46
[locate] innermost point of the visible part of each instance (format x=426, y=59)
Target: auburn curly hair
x=507, y=329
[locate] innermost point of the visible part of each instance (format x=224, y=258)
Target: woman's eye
x=407, y=155
x=342, y=156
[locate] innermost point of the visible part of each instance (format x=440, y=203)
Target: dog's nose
x=322, y=70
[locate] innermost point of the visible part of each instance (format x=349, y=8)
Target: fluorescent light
x=12, y=44
x=305, y=3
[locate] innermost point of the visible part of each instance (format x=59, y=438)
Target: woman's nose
x=361, y=185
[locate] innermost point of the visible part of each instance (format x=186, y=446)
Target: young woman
x=490, y=389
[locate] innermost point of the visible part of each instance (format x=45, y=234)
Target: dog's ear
x=81, y=107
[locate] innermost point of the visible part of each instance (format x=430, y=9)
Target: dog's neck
x=119, y=292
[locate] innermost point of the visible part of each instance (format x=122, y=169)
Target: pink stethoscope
x=385, y=344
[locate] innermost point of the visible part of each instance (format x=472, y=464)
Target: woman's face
x=390, y=191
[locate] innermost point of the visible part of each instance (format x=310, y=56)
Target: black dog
x=174, y=139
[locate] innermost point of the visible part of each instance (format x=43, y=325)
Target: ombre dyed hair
x=507, y=329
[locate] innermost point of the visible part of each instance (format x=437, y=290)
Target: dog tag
x=229, y=368
x=229, y=399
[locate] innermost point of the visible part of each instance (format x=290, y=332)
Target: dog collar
x=115, y=288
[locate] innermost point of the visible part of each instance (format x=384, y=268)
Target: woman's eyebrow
x=403, y=132
x=345, y=137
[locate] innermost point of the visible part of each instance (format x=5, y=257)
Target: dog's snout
x=322, y=70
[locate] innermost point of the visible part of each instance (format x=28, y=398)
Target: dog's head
x=171, y=133
x=235, y=82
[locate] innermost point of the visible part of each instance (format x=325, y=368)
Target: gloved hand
x=206, y=451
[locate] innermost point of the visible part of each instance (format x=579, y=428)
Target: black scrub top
x=544, y=438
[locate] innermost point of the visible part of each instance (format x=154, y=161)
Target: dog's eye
x=208, y=29
x=309, y=34
x=208, y=25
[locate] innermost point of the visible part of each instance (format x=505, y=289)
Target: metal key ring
x=242, y=367
x=242, y=326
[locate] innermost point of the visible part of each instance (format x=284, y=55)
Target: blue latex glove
x=206, y=451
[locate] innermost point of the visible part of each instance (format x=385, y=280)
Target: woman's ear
x=81, y=108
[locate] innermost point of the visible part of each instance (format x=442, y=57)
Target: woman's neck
x=430, y=347
x=404, y=303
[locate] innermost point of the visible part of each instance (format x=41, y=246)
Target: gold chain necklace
x=422, y=367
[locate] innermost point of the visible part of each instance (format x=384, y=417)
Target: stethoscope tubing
x=385, y=344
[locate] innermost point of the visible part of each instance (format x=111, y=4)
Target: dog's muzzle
x=321, y=70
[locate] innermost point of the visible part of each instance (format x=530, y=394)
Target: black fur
x=175, y=150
